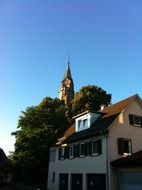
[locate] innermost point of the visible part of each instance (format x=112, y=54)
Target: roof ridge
x=120, y=104
x=130, y=97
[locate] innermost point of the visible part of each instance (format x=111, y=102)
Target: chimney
x=102, y=107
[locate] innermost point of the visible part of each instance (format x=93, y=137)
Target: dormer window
x=82, y=124
x=85, y=120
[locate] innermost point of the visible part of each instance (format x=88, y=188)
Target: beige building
x=94, y=151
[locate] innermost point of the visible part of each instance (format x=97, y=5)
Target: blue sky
x=103, y=38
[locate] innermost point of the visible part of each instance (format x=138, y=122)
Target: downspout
x=108, y=164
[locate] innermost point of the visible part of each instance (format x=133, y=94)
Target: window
x=82, y=124
x=79, y=124
x=82, y=149
x=53, y=177
x=61, y=153
x=96, y=147
x=71, y=151
x=135, y=120
x=124, y=146
x=85, y=123
x=88, y=148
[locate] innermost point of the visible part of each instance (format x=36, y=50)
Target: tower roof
x=68, y=72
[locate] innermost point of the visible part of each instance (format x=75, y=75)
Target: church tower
x=67, y=87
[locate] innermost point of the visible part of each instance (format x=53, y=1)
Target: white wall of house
x=85, y=165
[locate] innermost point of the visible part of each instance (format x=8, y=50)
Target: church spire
x=68, y=72
x=67, y=87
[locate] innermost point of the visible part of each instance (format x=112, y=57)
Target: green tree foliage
x=90, y=98
x=38, y=128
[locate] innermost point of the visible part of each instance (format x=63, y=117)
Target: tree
x=38, y=128
x=90, y=98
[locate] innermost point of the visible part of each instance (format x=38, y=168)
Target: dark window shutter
x=120, y=146
x=89, y=148
x=59, y=153
x=67, y=152
x=85, y=149
x=131, y=119
x=76, y=150
x=81, y=149
x=100, y=146
x=141, y=121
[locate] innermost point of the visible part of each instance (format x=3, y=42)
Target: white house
x=93, y=152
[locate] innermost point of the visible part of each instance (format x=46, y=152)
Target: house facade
x=85, y=157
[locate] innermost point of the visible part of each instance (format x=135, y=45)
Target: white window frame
x=71, y=151
x=82, y=124
x=95, y=153
x=62, y=153
x=81, y=155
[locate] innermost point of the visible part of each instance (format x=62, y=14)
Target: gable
x=125, y=127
